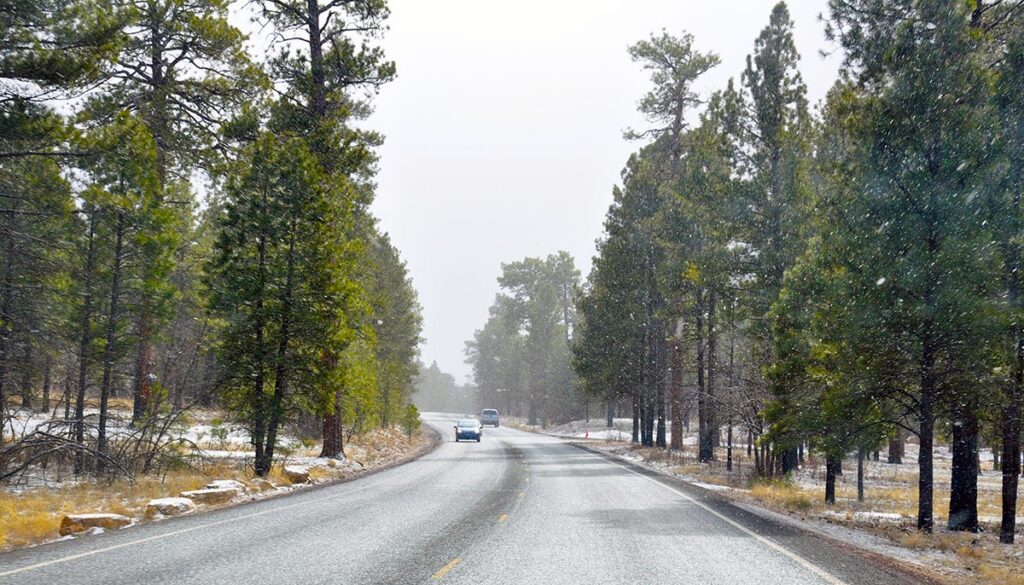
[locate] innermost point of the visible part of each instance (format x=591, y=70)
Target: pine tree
x=183, y=71
x=280, y=283
x=1008, y=217
x=919, y=252
x=771, y=134
x=325, y=57
x=675, y=65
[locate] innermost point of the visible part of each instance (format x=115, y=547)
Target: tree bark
x=109, y=352
x=705, y=448
x=831, y=466
x=714, y=437
x=159, y=127
x=1011, y=464
x=85, y=340
x=728, y=450
x=861, y=455
x=896, y=449
x=676, y=389
x=281, y=369
x=259, y=379
x=660, y=356
x=636, y=417
x=6, y=307
x=1012, y=397
x=963, y=493
x=926, y=419
x=47, y=383
x=334, y=446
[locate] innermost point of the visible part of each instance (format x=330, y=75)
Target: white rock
x=169, y=507
x=75, y=523
x=212, y=496
x=296, y=474
x=262, y=485
x=226, y=483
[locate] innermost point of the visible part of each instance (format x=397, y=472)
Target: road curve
x=515, y=508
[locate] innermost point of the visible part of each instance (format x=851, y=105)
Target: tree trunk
x=861, y=455
x=609, y=414
x=26, y=375
x=659, y=368
x=728, y=449
x=926, y=419
x=636, y=417
x=1011, y=464
x=830, y=478
x=281, y=370
x=714, y=437
x=157, y=121
x=705, y=448
x=963, y=493
x=676, y=390
x=259, y=428
x=790, y=460
x=47, y=383
x=109, y=351
x=6, y=307
x=896, y=448
x=334, y=445
x=1013, y=391
x=142, y=384
x=85, y=340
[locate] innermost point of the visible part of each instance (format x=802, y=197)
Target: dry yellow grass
x=783, y=495
x=1000, y=575
x=34, y=516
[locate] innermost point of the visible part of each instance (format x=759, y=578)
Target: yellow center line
x=502, y=518
x=444, y=570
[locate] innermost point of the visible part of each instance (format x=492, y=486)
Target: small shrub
x=411, y=419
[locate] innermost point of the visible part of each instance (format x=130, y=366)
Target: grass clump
x=781, y=493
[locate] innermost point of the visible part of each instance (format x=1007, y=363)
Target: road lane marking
x=502, y=518
x=444, y=570
x=828, y=577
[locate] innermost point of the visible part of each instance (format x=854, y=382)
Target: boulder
x=169, y=507
x=262, y=485
x=212, y=495
x=296, y=474
x=227, y=483
x=75, y=523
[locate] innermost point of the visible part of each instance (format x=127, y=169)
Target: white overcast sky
x=504, y=131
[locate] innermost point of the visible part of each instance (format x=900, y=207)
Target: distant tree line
x=521, y=359
x=843, y=279
x=275, y=294
x=437, y=391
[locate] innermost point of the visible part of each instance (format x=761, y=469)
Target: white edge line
x=97, y=551
x=763, y=540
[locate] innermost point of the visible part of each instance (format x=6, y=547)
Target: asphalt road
x=515, y=508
